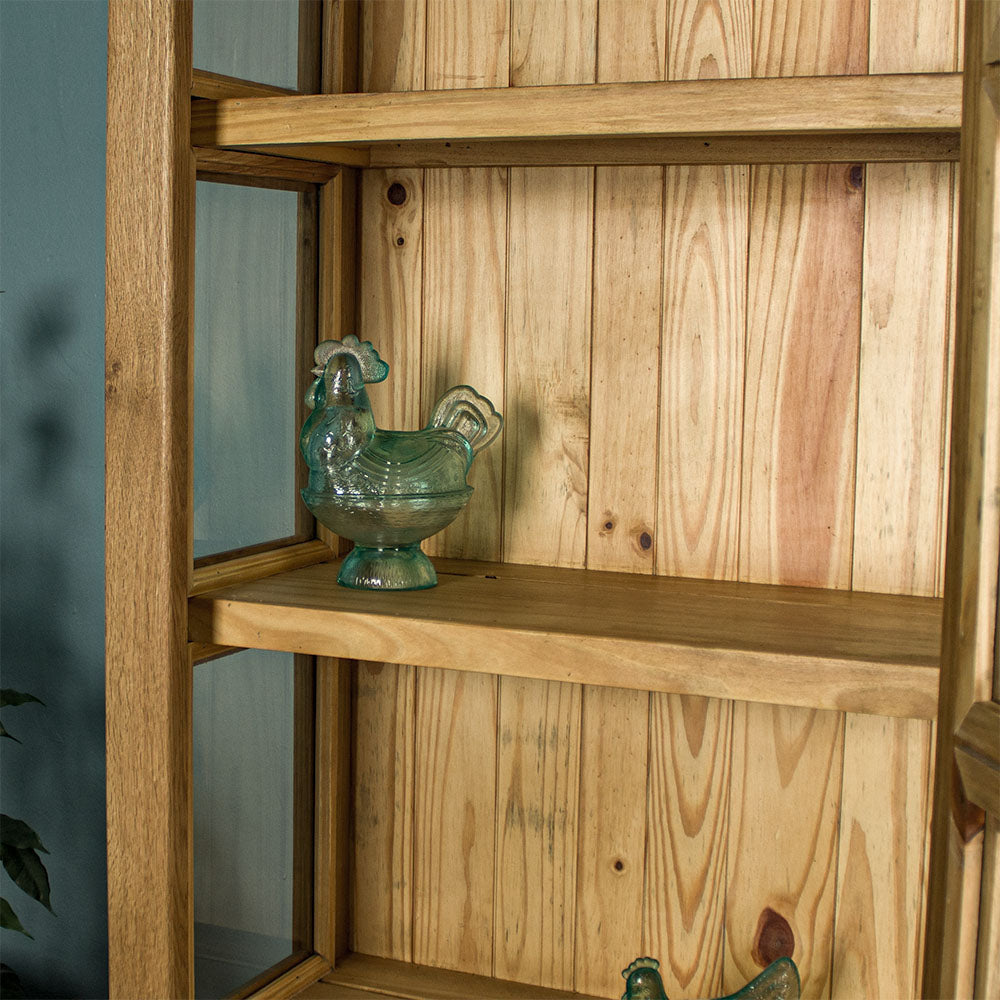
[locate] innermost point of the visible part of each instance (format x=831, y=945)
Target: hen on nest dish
x=386, y=490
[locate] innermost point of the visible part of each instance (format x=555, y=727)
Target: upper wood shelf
x=780, y=645
x=896, y=117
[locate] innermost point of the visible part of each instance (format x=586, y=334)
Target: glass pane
x=250, y=832
x=252, y=39
x=245, y=400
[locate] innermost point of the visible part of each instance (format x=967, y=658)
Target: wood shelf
x=365, y=975
x=889, y=117
x=842, y=650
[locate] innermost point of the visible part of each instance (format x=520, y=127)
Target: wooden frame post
x=150, y=211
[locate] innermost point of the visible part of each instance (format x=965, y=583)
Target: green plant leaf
x=8, y=696
x=26, y=869
x=17, y=833
x=8, y=918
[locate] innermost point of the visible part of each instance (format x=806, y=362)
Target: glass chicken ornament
x=386, y=490
x=779, y=981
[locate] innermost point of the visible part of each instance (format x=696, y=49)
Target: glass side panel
x=251, y=39
x=251, y=836
x=245, y=398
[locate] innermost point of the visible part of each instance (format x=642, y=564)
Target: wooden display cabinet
x=678, y=689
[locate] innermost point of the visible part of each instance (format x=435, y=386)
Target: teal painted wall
x=52, y=117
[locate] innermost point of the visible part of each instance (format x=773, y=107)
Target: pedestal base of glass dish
x=401, y=567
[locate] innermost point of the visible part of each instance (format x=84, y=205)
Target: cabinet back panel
x=726, y=372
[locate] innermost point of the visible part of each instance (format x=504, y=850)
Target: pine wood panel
x=454, y=810
x=547, y=411
x=687, y=831
x=465, y=235
x=537, y=831
x=549, y=248
x=391, y=291
x=914, y=38
x=782, y=864
x=628, y=251
x=804, y=38
x=701, y=371
x=801, y=377
x=708, y=41
x=382, y=875
x=613, y=758
x=390, y=313
x=883, y=833
x=903, y=366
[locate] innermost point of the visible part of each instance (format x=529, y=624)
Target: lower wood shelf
x=841, y=650
x=364, y=975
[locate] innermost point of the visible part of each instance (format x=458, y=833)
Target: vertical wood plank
x=465, y=254
x=624, y=368
x=382, y=876
x=801, y=378
x=782, y=864
x=390, y=315
x=913, y=38
x=701, y=374
x=709, y=41
x=536, y=869
x=884, y=818
x=150, y=258
x=688, y=825
x=804, y=38
x=613, y=759
x=454, y=809
x=903, y=367
x=549, y=247
x=391, y=296
x=627, y=276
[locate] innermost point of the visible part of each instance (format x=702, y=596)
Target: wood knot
x=645, y=541
x=396, y=193
x=856, y=176
x=774, y=938
x=619, y=865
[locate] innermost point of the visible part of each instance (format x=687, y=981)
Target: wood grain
x=857, y=652
x=613, y=759
x=257, y=566
x=903, y=367
x=913, y=38
x=707, y=41
x=802, y=38
x=802, y=355
x=968, y=646
x=782, y=863
x=549, y=251
x=881, y=869
x=701, y=371
x=465, y=230
x=400, y=979
x=770, y=106
x=537, y=831
x=687, y=832
x=455, y=818
x=382, y=795
x=625, y=363
x=150, y=258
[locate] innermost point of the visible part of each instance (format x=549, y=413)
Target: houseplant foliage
x=19, y=849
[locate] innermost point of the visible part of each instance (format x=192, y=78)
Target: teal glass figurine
x=779, y=981
x=386, y=490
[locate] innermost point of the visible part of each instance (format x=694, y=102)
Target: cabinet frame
x=149, y=573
